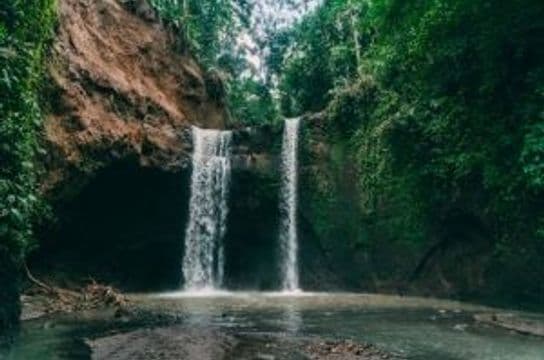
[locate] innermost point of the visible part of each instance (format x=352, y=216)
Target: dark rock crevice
x=251, y=242
x=10, y=308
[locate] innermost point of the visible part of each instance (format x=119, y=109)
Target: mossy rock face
x=10, y=308
x=251, y=241
x=330, y=216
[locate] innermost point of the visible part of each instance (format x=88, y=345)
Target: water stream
x=288, y=207
x=204, y=262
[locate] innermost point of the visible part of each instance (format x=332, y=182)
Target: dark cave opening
x=125, y=228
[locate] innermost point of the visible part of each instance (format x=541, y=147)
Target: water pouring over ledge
x=288, y=207
x=204, y=259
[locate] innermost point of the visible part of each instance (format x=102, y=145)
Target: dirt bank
x=122, y=85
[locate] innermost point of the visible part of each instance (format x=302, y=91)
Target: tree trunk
x=355, y=34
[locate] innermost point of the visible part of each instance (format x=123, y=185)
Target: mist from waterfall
x=204, y=259
x=288, y=207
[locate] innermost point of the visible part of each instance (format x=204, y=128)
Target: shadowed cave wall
x=125, y=228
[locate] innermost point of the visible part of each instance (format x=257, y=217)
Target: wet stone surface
x=346, y=350
x=181, y=343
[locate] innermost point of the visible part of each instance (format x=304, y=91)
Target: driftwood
x=91, y=296
x=51, y=290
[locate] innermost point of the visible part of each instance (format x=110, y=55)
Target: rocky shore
x=176, y=342
x=346, y=350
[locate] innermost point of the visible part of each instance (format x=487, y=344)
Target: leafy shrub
x=25, y=28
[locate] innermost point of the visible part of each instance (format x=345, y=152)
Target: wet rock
x=460, y=327
x=265, y=357
x=346, y=350
x=163, y=344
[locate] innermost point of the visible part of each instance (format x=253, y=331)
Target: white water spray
x=203, y=263
x=288, y=207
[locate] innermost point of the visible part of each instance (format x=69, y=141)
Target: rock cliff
x=122, y=86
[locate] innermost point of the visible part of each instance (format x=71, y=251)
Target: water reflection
x=416, y=328
x=292, y=318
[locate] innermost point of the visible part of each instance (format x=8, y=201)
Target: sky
x=270, y=15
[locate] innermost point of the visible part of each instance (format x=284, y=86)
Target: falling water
x=288, y=206
x=203, y=263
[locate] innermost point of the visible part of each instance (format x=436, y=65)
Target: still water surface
x=419, y=329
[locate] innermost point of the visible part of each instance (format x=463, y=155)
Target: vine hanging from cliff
x=25, y=29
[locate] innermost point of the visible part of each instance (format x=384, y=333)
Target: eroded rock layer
x=121, y=86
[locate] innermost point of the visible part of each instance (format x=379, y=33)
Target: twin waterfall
x=204, y=258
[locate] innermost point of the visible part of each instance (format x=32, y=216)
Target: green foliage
x=251, y=102
x=466, y=124
x=443, y=111
x=533, y=155
x=207, y=25
x=316, y=56
x=25, y=28
x=212, y=29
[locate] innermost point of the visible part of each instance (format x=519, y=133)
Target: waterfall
x=203, y=263
x=288, y=207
